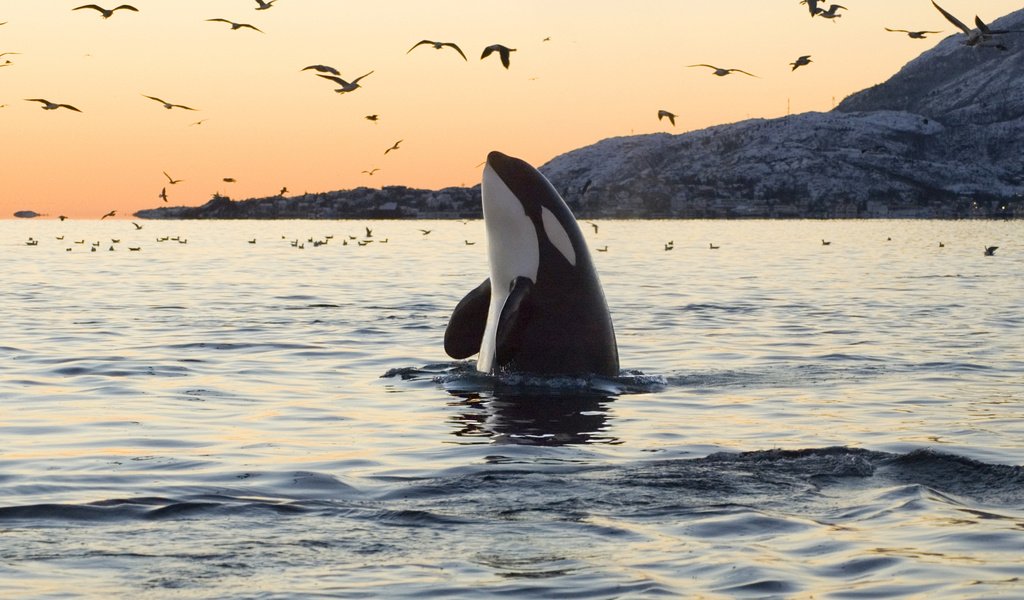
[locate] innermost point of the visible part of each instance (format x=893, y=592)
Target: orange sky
x=608, y=68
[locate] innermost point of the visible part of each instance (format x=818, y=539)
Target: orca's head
x=525, y=219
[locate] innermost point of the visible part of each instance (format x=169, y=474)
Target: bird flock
x=981, y=36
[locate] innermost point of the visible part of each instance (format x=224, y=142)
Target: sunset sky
x=606, y=71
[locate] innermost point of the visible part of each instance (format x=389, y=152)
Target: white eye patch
x=557, y=235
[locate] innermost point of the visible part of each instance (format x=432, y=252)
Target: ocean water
x=225, y=419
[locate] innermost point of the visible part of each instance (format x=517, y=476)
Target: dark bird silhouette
x=62, y=217
x=605, y=249
x=594, y=225
x=812, y=6
x=229, y=180
x=915, y=35
x=322, y=69
x=105, y=12
x=236, y=26
x=664, y=114
x=346, y=86
x=373, y=118
x=372, y=171
x=394, y=147
x=369, y=232
x=991, y=250
x=167, y=104
x=469, y=243
x=171, y=180
x=137, y=226
x=832, y=12
x=47, y=105
x=824, y=243
x=265, y=4
x=941, y=245
x=283, y=191
x=713, y=246
x=438, y=46
x=503, y=52
x=801, y=61
x=163, y=194
x=426, y=231
x=112, y=213
x=722, y=72
x=980, y=36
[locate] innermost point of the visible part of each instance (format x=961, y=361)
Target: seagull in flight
x=163, y=194
x=265, y=4
x=47, y=105
x=664, y=114
x=235, y=26
x=503, y=52
x=137, y=226
x=373, y=118
x=373, y=170
x=812, y=6
x=171, y=180
x=723, y=72
x=346, y=86
x=107, y=13
x=438, y=46
x=394, y=147
x=914, y=35
x=167, y=104
x=801, y=61
x=982, y=36
x=112, y=213
x=831, y=12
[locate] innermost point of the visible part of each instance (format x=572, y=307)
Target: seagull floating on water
x=107, y=13
x=801, y=61
x=438, y=46
x=664, y=114
x=916, y=35
x=722, y=72
x=346, y=86
x=236, y=26
x=503, y=52
x=47, y=105
x=167, y=104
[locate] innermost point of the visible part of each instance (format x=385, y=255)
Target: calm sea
x=226, y=419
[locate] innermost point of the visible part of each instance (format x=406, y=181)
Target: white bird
x=503, y=52
x=346, y=86
x=723, y=72
x=982, y=36
x=105, y=12
x=438, y=46
x=235, y=26
x=167, y=104
x=831, y=12
x=47, y=105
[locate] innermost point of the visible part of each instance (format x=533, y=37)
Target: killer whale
x=542, y=309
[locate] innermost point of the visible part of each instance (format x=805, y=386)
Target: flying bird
x=199, y=122
x=228, y=180
x=664, y=114
x=47, y=105
x=915, y=35
x=265, y=4
x=137, y=226
x=394, y=147
x=812, y=6
x=831, y=13
x=373, y=118
x=112, y=213
x=163, y=194
x=801, y=61
x=167, y=104
x=346, y=86
x=503, y=52
x=373, y=170
x=283, y=191
x=722, y=72
x=438, y=46
x=105, y=12
x=322, y=69
x=982, y=36
x=171, y=180
x=991, y=250
x=235, y=26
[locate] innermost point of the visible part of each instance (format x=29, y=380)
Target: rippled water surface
x=226, y=419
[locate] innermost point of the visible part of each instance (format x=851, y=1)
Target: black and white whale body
x=542, y=310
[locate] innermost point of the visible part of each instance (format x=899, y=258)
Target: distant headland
x=942, y=138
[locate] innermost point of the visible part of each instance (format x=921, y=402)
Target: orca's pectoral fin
x=515, y=314
x=466, y=326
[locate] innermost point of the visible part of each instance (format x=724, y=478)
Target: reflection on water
x=535, y=419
